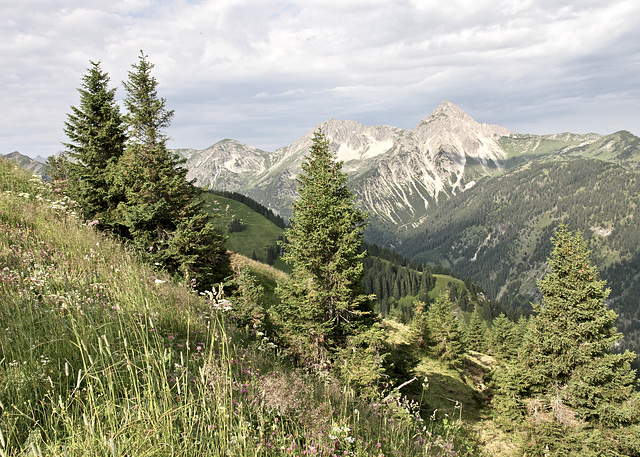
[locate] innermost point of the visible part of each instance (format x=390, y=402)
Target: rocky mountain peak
x=446, y=108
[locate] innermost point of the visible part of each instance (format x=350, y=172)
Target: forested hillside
x=498, y=233
x=129, y=329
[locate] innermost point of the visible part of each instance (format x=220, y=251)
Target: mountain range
x=36, y=166
x=475, y=198
x=396, y=174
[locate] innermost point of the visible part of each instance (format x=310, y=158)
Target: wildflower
x=159, y=281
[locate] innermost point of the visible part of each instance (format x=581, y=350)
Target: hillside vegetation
x=395, y=282
x=103, y=355
x=130, y=334
x=497, y=234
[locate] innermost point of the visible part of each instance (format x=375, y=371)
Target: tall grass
x=101, y=355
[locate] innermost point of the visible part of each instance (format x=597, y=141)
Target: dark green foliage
x=420, y=336
x=273, y=252
x=445, y=332
x=569, y=342
x=566, y=374
x=57, y=168
x=477, y=332
x=123, y=176
x=236, y=225
x=160, y=209
x=504, y=340
x=323, y=305
x=392, y=278
x=503, y=226
x=97, y=138
x=247, y=310
x=362, y=361
x=196, y=250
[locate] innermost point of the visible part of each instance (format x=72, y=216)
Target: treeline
x=126, y=181
x=558, y=387
x=274, y=251
x=391, y=283
x=254, y=205
x=398, y=283
x=503, y=226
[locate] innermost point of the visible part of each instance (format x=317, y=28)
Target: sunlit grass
x=101, y=355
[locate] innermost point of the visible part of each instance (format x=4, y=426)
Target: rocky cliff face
x=395, y=174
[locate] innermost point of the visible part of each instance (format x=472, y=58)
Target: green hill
x=497, y=234
x=255, y=233
x=103, y=355
x=396, y=285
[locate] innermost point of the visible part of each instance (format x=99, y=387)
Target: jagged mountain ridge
x=398, y=174
x=33, y=165
x=395, y=174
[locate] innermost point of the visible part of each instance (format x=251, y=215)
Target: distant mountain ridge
x=397, y=174
x=33, y=165
x=394, y=173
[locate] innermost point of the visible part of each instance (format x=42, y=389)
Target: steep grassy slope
x=102, y=355
x=257, y=235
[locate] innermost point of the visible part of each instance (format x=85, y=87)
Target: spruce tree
x=569, y=346
x=96, y=133
x=420, y=335
x=504, y=340
x=477, y=332
x=323, y=304
x=446, y=332
x=161, y=209
x=566, y=377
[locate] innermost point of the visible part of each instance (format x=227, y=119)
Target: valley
x=474, y=198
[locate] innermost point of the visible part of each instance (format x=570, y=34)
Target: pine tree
x=323, y=304
x=97, y=139
x=161, y=209
x=566, y=376
x=445, y=332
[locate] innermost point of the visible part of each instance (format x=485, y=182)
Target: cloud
x=266, y=72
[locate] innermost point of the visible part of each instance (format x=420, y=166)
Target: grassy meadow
x=257, y=234
x=103, y=355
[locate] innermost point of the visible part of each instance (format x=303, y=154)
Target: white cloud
x=266, y=72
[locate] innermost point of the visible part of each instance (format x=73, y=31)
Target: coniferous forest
x=129, y=329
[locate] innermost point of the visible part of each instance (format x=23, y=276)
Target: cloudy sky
x=265, y=71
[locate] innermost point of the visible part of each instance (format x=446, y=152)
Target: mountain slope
x=34, y=166
x=498, y=233
x=395, y=174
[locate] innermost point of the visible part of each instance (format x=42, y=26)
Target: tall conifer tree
x=323, y=304
x=162, y=210
x=477, y=332
x=96, y=133
x=446, y=332
x=566, y=377
x=569, y=349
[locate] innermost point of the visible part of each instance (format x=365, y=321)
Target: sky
x=265, y=72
